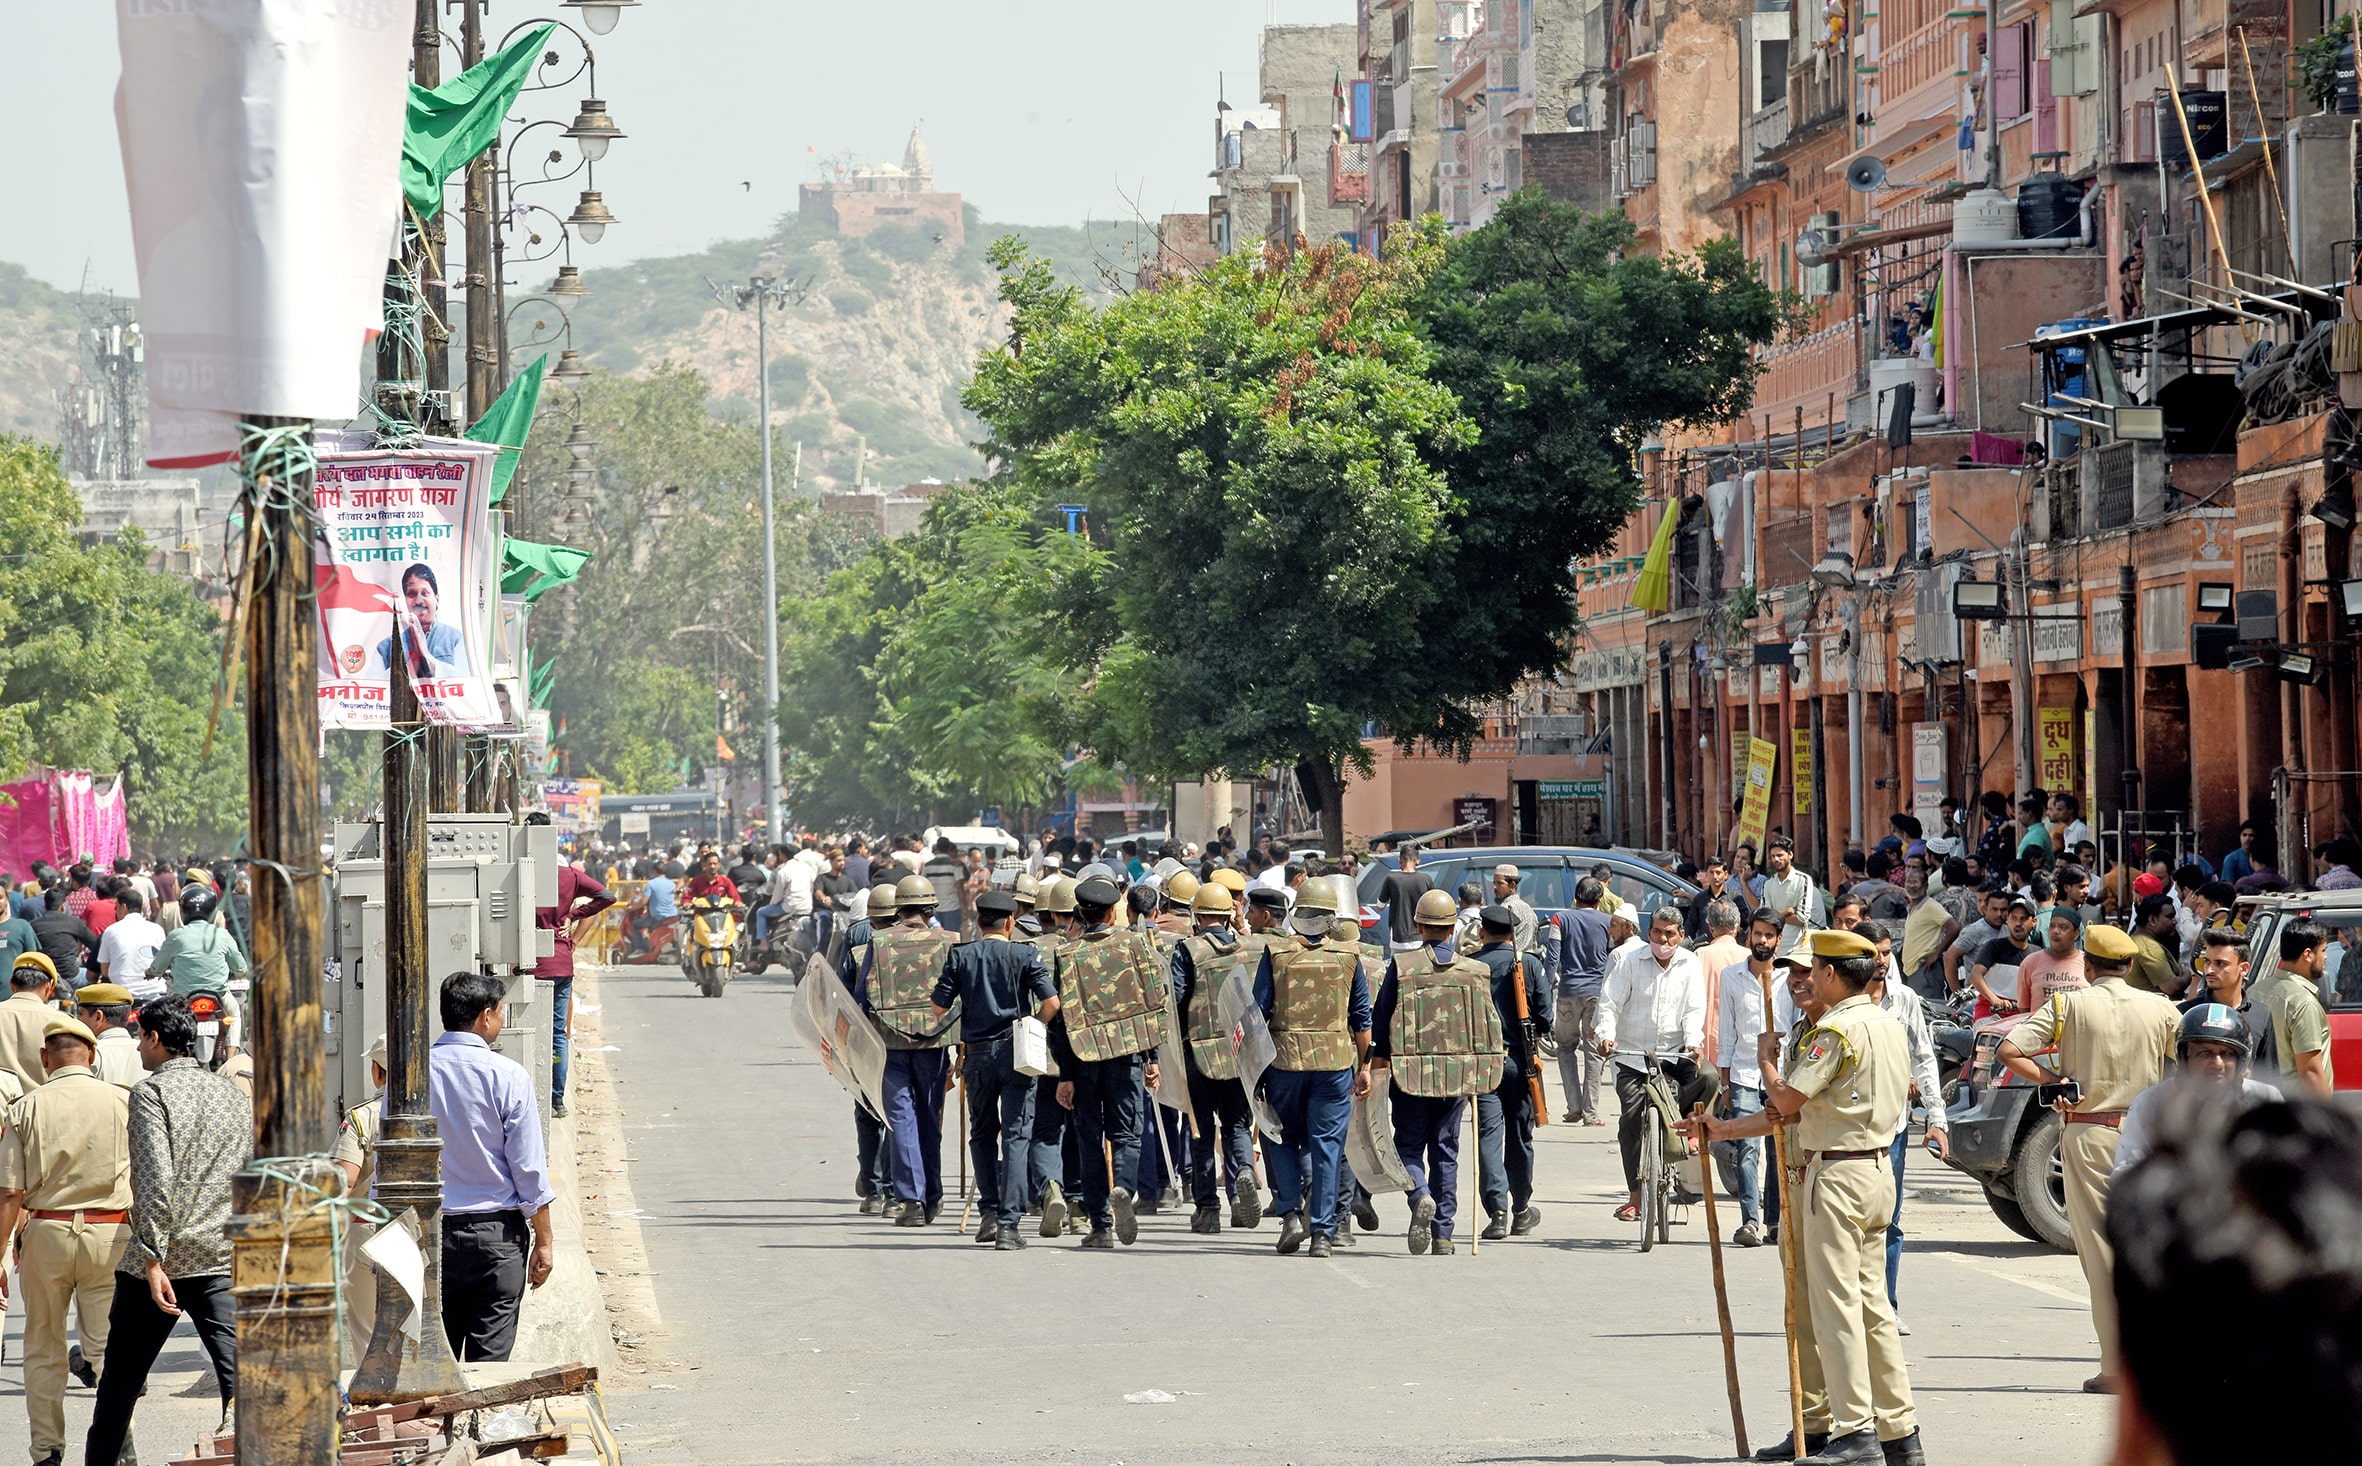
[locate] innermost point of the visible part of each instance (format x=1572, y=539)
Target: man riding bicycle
x=1654, y=1003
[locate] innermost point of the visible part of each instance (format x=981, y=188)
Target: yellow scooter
x=712, y=943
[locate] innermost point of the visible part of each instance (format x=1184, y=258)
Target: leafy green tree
x=1257, y=447
x=110, y=666
x=1568, y=349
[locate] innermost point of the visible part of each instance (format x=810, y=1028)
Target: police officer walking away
x=1505, y=1117
x=1111, y=1009
x=897, y=988
x=65, y=1163
x=1226, y=1123
x=1316, y=999
x=994, y=981
x=1846, y=1094
x=874, y=1167
x=2113, y=1039
x=1435, y=1026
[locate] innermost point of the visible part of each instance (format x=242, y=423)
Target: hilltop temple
x=857, y=200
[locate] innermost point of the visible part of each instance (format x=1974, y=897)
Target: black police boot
x=1365, y=1214
x=1292, y=1233
x=1321, y=1245
x=1246, y=1209
x=1127, y=1220
x=79, y=1368
x=1422, y=1230
x=934, y=1210
x=1206, y=1220
x=911, y=1215
x=1859, y=1448
x=1010, y=1240
x=1496, y=1229
x=869, y=1207
x=1904, y=1452
x=1440, y=1247
x=1527, y=1219
x=988, y=1232
x=1100, y=1239
x=1786, y=1450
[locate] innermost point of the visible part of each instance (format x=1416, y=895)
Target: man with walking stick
x=1848, y=1086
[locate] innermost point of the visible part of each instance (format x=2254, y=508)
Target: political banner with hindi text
x=407, y=564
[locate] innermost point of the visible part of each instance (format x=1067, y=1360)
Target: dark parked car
x=1549, y=876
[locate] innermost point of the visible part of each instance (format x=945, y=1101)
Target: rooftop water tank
x=1984, y=216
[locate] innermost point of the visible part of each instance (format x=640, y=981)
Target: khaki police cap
x=69, y=1026
x=1180, y=888
x=1058, y=897
x=2108, y=944
x=37, y=959
x=1436, y=908
x=103, y=995
x=916, y=891
x=1212, y=900
x=1837, y=945
x=1233, y=881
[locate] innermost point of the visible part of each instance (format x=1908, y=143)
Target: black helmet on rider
x=2213, y=1023
x=197, y=903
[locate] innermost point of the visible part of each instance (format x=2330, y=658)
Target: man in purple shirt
x=496, y=1189
x=580, y=897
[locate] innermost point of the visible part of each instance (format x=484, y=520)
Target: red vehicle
x=2341, y=980
x=653, y=939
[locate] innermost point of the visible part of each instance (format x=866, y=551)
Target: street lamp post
x=764, y=293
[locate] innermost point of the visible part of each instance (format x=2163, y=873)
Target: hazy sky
x=1038, y=111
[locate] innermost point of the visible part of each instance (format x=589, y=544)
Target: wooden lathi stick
x=1730, y=1343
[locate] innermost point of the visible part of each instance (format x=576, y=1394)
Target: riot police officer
x=897, y=981
x=1226, y=1125
x=1436, y=1027
x=1111, y=1007
x=1315, y=997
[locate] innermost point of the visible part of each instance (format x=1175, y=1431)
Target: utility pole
x=283, y=1242
x=410, y=1153
x=483, y=362
x=765, y=294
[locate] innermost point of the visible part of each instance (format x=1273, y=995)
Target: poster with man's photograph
x=406, y=569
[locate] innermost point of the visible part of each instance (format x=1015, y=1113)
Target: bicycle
x=1659, y=1186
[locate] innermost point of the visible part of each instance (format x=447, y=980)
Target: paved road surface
x=790, y=1328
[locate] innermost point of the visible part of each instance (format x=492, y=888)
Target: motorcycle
x=712, y=943
x=655, y=939
x=209, y=1009
x=1955, y=1040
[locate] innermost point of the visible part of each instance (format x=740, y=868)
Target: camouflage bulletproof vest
x=1111, y=993
x=1212, y=956
x=1311, y=1006
x=1446, y=1034
x=905, y=963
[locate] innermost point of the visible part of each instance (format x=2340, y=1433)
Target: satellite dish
x=1812, y=247
x=1866, y=175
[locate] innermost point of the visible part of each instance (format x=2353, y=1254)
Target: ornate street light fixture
x=593, y=130
x=599, y=16
x=590, y=217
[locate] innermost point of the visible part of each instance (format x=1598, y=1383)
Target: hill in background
x=38, y=353
x=875, y=354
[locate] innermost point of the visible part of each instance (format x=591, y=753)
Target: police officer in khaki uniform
x=1435, y=1026
x=1111, y=1018
x=106, y=1007
x=1316, y=1000
x=24, y=1019
x=896, y=988
x=356, y=1155
x=2113, y=1039
x=1846, y=1095
x=65, y=1164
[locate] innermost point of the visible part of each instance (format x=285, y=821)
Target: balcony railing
x=1349, y=174
x=1818, y=93
x=1768, y=129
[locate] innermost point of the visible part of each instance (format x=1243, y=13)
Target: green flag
x=528, y=568
x=543, y=681
x=462, y=117
x=506, y=422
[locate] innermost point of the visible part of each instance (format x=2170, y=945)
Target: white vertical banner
x=261, y=142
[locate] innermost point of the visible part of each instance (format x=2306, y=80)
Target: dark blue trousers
x=914, y=1121
x=1000, y=1128
x=1108, y=1095
x=1427, y=1137
x=1313, y=1108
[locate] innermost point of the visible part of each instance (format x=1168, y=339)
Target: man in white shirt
x=1739, y=1022
x=791, y=897
x=1790, y=893
x=1654, y=1003
x=129, y=945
